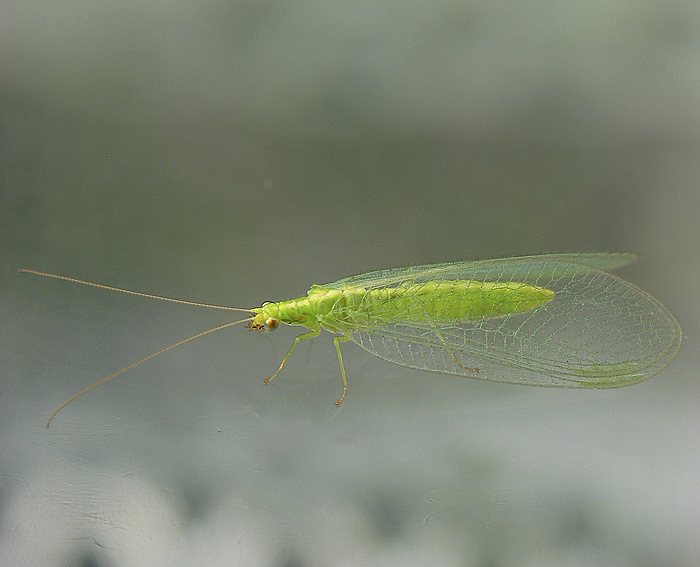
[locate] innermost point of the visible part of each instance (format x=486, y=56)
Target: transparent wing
x=461, y=270
x=598, y=331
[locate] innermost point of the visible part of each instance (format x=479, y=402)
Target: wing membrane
x=598, y=330
x=461, y=270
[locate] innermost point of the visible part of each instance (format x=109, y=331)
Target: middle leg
x=336, y=341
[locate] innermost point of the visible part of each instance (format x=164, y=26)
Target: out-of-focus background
x=237, y=151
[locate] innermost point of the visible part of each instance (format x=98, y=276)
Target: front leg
x=312, y=334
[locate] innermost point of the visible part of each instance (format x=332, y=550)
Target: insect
x=559, y=320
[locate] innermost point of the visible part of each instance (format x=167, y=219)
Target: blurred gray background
x=237, y=151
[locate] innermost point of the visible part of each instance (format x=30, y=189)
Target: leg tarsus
x=303, y=337
x=336, y=341
x=465, y=368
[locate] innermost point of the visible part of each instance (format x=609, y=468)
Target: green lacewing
x=557, y=320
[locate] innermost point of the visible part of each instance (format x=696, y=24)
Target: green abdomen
x=434, y=302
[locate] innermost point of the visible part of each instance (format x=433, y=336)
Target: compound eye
x=271, y=324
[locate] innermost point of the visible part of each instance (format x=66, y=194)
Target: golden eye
x=271, y=323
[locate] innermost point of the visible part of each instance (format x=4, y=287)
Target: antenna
x=136, y=363
x=129, y=292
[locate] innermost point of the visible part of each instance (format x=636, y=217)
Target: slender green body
x=433, y=302
x=557, y=320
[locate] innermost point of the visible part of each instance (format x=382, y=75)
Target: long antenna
x=129, y=292
x=136, y=363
